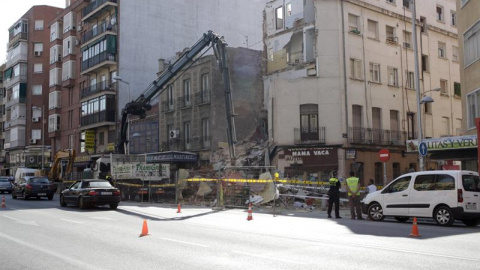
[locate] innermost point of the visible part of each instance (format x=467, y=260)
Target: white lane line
x=17, y=220
x=32, y=223
x=61, y=256
x=73, y=221
x=183, y=242
x=103, y=218
x=269, y=258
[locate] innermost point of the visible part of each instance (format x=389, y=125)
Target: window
x=101, y=138
x=53, y=122
x=37, y=49
x=442, y=50
x=471, y=44
x=205, y=129
x=353, y=24
x=392, y=76
x=446, y=127
x=186, y=132
x=410, y=80
x=70, y=119
x=373, y=29
x=406, y=4
x=455, y=54
x=37, y=68
x=205, y=88
x=440, y=13
x=399, y=185
x=425, y=63
x=423, y=25
x=407, y=39
x=279, y=18
x=390, y=32
x=309, y=122
x=473, y=108
x=457, y=90
x=396, y=170
x=471, y=183
x=391, y=1
x=36, y=134
x=375, y=72
x=37, y=90
x=38, y=24
x=288, y=7
x=54, y=100
x=186, y=92
x=453, y=18
x=444, y=87
x=355, y=68
x=170, y=96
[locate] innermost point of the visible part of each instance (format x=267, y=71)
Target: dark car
x=5, y=185
x=91, y=192
x=33, y=186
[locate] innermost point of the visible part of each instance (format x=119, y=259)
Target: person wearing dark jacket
x=334, y=196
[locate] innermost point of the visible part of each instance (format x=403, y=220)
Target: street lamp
x=43, y=132
x=117, y=78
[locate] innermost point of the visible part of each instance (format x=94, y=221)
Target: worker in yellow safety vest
x=353, y=189
x=334, y=196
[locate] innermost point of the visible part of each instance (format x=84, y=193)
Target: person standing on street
x=353, y=189
x=334, y=196
x=371, y=186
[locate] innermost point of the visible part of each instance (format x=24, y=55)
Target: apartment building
x=340, y=84
x=25, y=90
x=193, y=115
x=468, y=23
x=3, y=100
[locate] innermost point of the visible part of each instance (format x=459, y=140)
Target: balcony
x=202, y=97
x=98, y=88
x=104, y=58
x=311, y=136
x=93, y=33
x=376, y=136
x=98, y=119
x=96, y=6
x=184, y=102
x=17, y=79
x=17, y=38
x=167, y=107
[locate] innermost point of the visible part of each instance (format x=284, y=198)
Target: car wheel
x=113, y=206
x=375, y=212
x=402, y=219
x=443, y=216
x=50, y=197
x=62, y=201
x=471, y=222
x=81, y=203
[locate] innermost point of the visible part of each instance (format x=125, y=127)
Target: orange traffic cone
x=179, y=209
x=414, y=232
x=249, y=212
x=144, y=228
x=3, y=202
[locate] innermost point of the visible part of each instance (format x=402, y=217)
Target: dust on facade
x=317, y=86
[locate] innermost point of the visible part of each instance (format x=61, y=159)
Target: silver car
x=5, y=185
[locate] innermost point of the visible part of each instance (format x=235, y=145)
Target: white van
x=22, y=172
x=442, y=195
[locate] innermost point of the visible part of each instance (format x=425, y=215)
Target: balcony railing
x=376, y=136
x=94, y=5
x=97, y=59
x=309, y=136
x=103, y=116
x=167, y=107
x=202, y=97
x=184, y=102
x=97, y=88
x=93, y=33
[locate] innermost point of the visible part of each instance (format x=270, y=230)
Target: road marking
x=32, y=223
x=183, y=242
x=104, y=218
x=61, y=256
x=267, y=257
x=73, y=221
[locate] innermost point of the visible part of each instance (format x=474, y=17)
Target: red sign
x=384, y=155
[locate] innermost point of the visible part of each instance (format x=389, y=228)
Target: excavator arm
x=141, y=105
x=55, y=173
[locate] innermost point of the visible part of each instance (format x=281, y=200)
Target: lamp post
x=117, y=78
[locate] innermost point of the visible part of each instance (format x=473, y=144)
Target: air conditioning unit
x=406, y=45
x=33, y=141
x=174, y=134
x=35, y=119
x=37, y=53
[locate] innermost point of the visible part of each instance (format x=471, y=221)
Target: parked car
x=445, y=196
x=5, y=184
x=91, y=192
x=33, y=186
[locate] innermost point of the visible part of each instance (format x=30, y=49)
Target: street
x=39, y=234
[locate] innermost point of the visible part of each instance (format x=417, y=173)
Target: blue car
x=5, y=185
x=32, y=186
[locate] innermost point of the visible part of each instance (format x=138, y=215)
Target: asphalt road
x=39, y=234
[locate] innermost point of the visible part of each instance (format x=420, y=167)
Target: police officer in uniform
x=353, y=188
x=334, y=196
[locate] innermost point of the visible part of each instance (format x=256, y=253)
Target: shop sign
x=90, y=140
x=143, y=171
x=445, y=143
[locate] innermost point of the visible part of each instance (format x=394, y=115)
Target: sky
x=11, y=11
